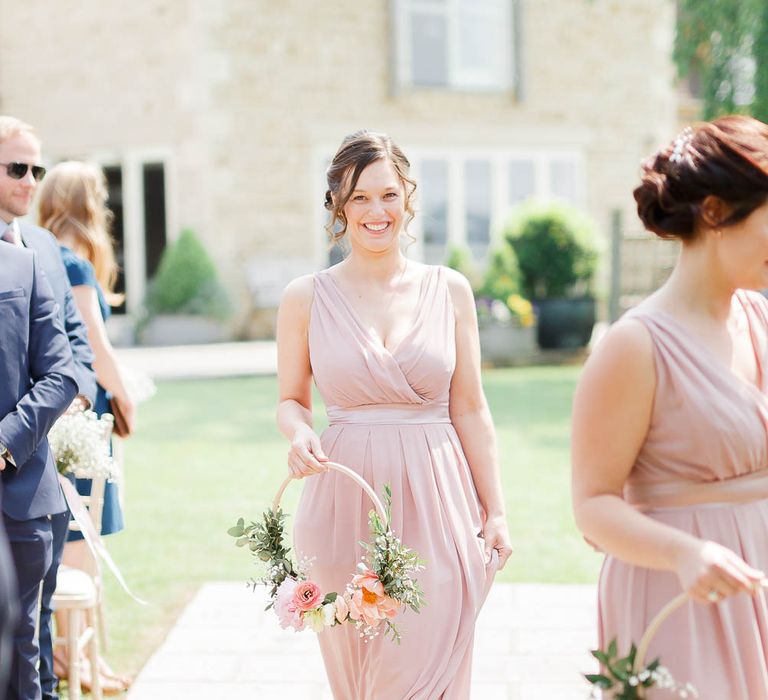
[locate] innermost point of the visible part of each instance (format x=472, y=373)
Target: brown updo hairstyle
x=725, y=158
x=356, y=153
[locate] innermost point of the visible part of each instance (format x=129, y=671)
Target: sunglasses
x=16, y=171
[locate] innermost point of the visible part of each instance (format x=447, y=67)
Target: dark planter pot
x=564, y=323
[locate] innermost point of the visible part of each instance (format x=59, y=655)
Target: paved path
x=203, y=361
x=531, y=644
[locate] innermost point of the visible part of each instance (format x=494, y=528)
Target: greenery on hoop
x=384, y=584
x=619, y=675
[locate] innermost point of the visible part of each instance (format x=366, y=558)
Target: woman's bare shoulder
x=298, y=294
x=626, y=350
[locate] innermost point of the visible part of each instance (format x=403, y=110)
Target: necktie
x=9, y=235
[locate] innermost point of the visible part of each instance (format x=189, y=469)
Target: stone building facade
x=221, y=116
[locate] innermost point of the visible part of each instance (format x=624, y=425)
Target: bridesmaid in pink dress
x=393, y=348
x=670, y=424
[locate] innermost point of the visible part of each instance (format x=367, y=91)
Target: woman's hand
x=306, y=455
x=710, y=572
x=496, y=536
x=128, y=409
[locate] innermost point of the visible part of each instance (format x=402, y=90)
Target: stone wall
x=247, y=98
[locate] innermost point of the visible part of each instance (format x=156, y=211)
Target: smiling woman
x=392, y=345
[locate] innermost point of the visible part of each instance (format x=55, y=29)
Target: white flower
x=329, y=614
x=79, y=442
x=500, y=311
x=633, y=681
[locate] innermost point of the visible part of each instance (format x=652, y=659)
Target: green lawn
x=208, y=451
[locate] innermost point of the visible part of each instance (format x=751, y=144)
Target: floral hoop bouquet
x=383, y=583
x=79, y=441
x=628, y=678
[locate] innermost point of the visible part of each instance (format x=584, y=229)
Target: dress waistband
x=390, y=414
x=678, y=494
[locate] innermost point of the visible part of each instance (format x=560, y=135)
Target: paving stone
x=532, y=642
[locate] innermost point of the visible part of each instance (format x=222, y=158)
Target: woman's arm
x=612, y=412
x=105, y=361
x=294, y=374
x=472, y=419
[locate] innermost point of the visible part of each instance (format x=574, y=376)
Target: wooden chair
x=78, y=596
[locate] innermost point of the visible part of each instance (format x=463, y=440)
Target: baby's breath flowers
x=382, y=585
x=79, y=441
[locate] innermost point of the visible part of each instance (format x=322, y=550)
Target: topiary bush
x=186, y=282
x=556, y=250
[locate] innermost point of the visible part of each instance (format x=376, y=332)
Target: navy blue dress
x=81, y=272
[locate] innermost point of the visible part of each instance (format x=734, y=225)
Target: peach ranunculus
x=307, y=595
x=284, y=607
x=368, y=601
x=342, y=607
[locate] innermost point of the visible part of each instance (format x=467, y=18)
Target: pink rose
x=284, y=607
x=307, y=595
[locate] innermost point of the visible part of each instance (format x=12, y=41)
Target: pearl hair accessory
x=681, y=143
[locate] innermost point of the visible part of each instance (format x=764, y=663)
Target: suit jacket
x=49, y=256
x=37, y=384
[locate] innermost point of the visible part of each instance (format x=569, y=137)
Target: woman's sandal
x=111, y=683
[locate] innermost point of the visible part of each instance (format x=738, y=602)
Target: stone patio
x=532, y=643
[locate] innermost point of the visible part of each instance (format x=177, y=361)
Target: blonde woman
x=73, y=207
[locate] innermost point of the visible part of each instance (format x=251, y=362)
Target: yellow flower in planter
x=522, y=309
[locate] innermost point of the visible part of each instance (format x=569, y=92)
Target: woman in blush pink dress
x=393, y=348
x=670, y=425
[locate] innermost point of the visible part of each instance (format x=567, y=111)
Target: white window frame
x=458, y=78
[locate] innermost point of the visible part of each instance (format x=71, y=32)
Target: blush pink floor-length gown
x=703, y=469
x=389, y=422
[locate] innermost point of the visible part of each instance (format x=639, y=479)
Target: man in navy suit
x=38, y=383
x=20, y=151
x=19, y=146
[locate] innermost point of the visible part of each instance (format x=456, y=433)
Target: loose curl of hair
x=357, y=151
x=726, y=158
x=73, y=205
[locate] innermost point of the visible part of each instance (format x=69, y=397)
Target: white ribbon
x=92, y=538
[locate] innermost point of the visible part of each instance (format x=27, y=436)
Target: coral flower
x=368, y=602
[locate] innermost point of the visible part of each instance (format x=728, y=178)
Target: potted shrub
x=505, y=318
x=557, y=257
x=185, y=301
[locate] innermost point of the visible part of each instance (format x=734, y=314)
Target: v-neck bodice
x=707, y=423
x=353, y=368
x=377, y=337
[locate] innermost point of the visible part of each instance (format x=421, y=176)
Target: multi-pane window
x=464, y=199
x=460, y=44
